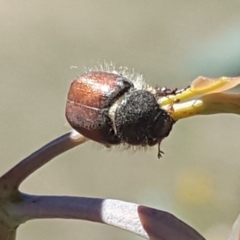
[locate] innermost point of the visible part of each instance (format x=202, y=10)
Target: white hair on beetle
x=136, y=78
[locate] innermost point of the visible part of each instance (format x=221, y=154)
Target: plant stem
x=144, y=221
x=207, y=105
x=15, y=176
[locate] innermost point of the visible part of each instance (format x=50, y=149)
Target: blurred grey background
x=170, y=43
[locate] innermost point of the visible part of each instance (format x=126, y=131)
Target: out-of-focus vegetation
x=170, y=43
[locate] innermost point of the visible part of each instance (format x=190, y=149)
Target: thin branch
x=15, y=176
x=144, y=221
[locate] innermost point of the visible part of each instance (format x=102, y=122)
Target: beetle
x=111, y=108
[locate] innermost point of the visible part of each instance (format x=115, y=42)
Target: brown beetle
x=110, y=109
